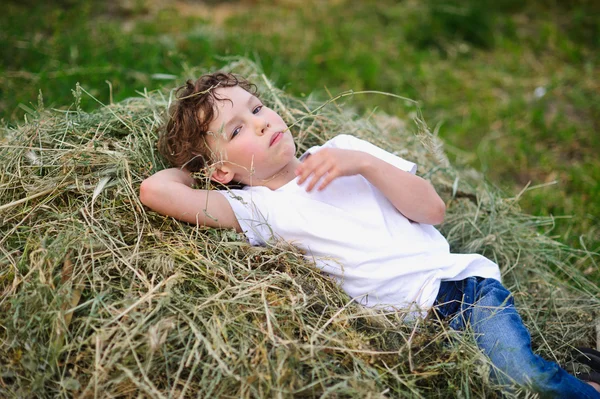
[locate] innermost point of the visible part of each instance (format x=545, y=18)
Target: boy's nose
x=262, y=126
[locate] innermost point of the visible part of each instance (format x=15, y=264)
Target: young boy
x=359, y=211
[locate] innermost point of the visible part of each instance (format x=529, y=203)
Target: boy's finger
x=301, y=178
x=317, y=175
x=326, y=180
x=311, y=184
x=303, y=173
x=314, y=180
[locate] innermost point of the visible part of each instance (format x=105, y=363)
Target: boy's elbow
x=440, y=212
x=146, y=189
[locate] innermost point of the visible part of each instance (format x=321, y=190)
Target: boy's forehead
x=229, y=95
x=227, y=100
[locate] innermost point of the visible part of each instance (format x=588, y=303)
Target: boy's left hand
x=330, y=163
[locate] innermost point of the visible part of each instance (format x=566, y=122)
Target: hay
x=101, y=297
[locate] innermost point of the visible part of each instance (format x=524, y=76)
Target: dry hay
x=101, y=297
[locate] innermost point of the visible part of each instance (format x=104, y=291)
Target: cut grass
x=100, y=297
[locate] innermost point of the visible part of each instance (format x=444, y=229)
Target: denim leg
x=500, y=333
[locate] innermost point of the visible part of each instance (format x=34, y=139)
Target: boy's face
x=250, y=143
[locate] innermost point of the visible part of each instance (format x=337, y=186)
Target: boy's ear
x=222, y=174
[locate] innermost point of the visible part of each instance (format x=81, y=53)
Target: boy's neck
x=281, y=178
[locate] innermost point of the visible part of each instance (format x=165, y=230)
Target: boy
x=359, y=211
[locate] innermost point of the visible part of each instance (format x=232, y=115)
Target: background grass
x=473, y=66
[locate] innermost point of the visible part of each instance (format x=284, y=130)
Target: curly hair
x=182, y=140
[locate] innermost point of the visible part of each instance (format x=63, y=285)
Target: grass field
x=513, y=90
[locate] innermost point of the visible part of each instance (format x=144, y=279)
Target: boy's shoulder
x=343, y=141
x=349, y=142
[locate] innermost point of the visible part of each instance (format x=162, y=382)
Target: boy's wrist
x=366, y=164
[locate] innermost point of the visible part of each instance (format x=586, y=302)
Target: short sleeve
x=250, y=208
x=354, y=143
x=348, y=142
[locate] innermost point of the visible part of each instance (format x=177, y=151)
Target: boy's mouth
x=275, y=138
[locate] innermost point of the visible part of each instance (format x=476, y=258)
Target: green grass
x=473, y=70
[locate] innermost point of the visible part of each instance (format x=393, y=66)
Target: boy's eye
x=236, y=131
x=257, y=109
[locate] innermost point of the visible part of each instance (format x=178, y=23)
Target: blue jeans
x=488, y=308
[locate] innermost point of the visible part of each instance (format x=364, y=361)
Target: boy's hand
x=330, y=163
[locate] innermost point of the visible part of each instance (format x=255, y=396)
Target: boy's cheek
x=248, y=156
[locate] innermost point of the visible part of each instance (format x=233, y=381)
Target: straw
x=101, y=297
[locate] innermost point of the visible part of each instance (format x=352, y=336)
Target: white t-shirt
x=353, y=233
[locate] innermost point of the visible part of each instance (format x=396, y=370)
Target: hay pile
x=101, y=297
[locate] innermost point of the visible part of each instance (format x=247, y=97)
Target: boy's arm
x=412, y=195
x=169, y=192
